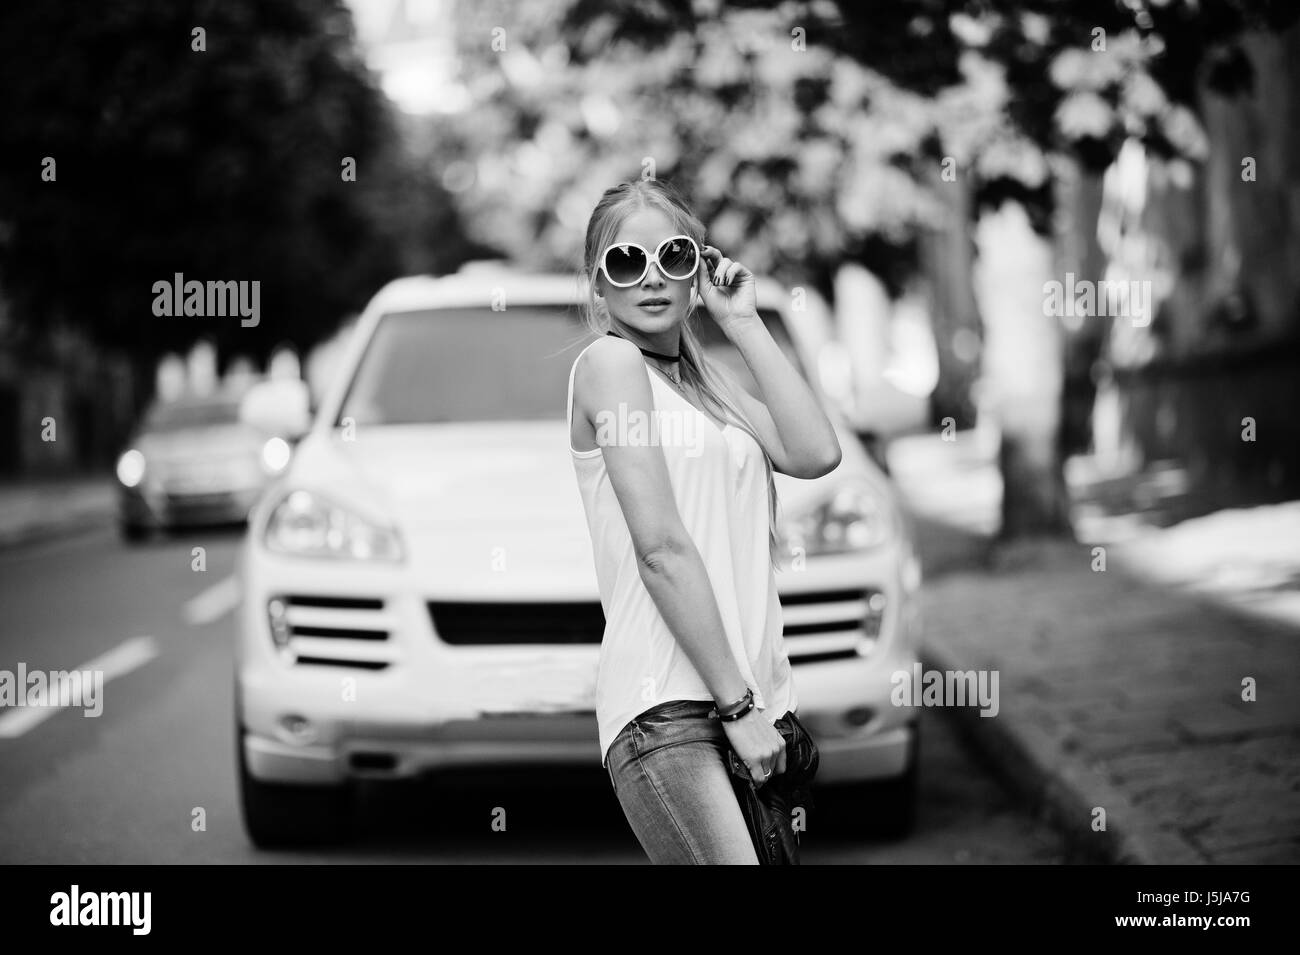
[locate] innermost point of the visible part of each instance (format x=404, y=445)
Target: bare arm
x=789, y=421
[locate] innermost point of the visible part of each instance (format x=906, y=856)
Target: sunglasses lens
x=677, y=258
x=624, y=263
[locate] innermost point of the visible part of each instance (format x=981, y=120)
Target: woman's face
x=657, y=303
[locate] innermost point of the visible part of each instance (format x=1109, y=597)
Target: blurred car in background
x=418, y=587
x=198, y=461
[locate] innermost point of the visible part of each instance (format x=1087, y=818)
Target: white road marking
x=122, y=659
x=213, y=604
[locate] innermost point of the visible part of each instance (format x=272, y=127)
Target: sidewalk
x=1122, y=689
x=33, y=510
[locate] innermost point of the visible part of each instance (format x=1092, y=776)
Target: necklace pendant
x=675, y=379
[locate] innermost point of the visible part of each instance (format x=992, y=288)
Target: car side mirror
x=281, y=406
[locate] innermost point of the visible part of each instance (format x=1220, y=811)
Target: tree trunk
x=1080, y=216
x=1022, y=374
x=947, y=259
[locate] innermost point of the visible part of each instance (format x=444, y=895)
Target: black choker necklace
x=645, y=351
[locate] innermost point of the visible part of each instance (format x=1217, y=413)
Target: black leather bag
x=768, y=808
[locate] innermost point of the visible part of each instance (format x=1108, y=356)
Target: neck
x=666, y=344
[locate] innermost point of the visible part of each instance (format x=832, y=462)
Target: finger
x=732, y=271
x=721, y=270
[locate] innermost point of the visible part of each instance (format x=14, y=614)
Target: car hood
x=474, y=499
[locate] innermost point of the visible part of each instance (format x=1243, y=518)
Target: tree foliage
x=223, y=163
x=815, y=132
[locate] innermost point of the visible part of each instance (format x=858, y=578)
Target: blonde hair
x=613, y=209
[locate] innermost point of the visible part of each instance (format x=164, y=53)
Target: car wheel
x=278, y=815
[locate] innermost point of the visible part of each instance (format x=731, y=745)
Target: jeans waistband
x=677, y=708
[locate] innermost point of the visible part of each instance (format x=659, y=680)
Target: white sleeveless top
x=720, y=486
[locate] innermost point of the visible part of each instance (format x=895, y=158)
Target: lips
x=655, y=301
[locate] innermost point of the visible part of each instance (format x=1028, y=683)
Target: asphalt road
x=128, y=785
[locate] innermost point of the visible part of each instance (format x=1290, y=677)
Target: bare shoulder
x=608, y=360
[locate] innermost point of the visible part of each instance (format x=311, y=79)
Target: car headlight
x=304, y=524
x=130, y=468
x=853, y=518
x=275, y=455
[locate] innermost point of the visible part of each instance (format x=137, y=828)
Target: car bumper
x=423, y=705
x=158, y=508
x=361, y=748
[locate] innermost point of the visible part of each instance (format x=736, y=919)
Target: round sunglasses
x=626, y=263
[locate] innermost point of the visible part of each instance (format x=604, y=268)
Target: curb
x=1036, y=764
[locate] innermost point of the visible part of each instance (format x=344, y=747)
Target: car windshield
x=177, y=415
x=476, y=364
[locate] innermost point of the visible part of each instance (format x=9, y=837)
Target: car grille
x=821, y=625
x=199, y=500
x=831, y=624
x=467, y=624
x=333, y=631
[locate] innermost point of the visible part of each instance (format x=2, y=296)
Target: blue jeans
x=669, y=771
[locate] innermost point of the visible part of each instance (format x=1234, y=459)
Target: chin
x=652, y=324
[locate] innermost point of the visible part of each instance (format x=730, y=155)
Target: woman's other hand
x=727, y=289
x=759, y=745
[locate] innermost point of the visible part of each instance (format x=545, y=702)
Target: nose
x=653, y=277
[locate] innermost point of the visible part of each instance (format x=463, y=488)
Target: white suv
x=418, y=585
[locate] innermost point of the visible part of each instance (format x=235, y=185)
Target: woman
x=692, y=662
